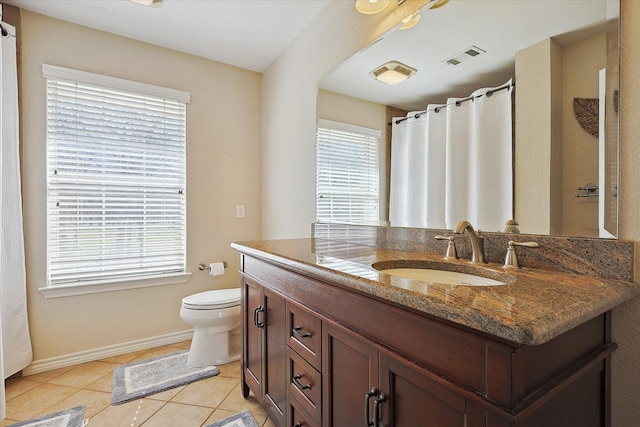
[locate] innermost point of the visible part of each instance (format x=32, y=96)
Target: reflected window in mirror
x=347, y=173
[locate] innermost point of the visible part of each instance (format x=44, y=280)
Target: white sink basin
x=442, y=276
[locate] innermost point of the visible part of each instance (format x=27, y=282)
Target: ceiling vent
x=393, y=72
x=468, y=53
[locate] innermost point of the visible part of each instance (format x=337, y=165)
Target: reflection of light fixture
x=438, y=3
x=152, y=3
x=369, y=7
x=393, y=72
x=410, y=21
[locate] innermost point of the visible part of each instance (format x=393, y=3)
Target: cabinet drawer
x=305, y=384
x=305, y=334
x=298, y=417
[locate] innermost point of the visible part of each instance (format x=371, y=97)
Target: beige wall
x=538, y=207
x=346, y=109
x=223, y=169
x=290, y=87
x=581, y=64
x=288, y=186
x=626, y=319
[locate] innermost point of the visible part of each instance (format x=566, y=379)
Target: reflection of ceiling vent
x=392, y=73
x=468, y=53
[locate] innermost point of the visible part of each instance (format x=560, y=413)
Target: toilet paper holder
x=202, y=266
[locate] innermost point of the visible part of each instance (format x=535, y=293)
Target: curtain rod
x=457, y=103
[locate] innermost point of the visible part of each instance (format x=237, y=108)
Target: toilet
x=215, y=317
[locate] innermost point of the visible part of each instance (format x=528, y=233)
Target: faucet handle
x=511, y=259
x=452, y=253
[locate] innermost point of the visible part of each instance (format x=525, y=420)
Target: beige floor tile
x=17, y=386
x=197, y=404
x=84, y=374
x=219, y=414
x=158, y=351
x=132, y=413
x=231, y=370
x=183, y=345
x=37, y=400
x=43, y=377
x=166, y=395
x=93, y=401
x=209, y=392
x=102, y=384
x=176, y=414
x=123, y=358
x=268, y=423
x=236, y=402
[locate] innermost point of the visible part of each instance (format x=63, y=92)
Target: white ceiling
x=249, y=34
x=500, y=27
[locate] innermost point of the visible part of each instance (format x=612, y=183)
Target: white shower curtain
x=472, y=180
x=418, y=152
x=15, y=348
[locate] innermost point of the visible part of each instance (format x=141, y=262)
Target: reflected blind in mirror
x=347, y=173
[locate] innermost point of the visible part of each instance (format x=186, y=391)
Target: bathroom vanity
x=330, y=341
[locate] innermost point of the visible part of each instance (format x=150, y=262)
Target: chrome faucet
x=477, y=241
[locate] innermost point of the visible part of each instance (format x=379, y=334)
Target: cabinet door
x=252, y=326
x=416, y=400
x=275, y=365
x=349, y=372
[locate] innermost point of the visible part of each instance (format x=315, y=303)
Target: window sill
x=113, y=285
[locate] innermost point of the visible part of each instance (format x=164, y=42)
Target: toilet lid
x=221, y=298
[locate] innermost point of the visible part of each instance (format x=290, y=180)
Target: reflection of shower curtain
x=417, y=171
x=15, y=348
x=473, y=181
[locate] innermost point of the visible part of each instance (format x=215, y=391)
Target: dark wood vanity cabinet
x=264, y=368
x=318, y=354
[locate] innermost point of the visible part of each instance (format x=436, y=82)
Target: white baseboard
x=51, y=363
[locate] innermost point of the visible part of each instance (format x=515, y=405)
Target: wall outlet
x=240, y=211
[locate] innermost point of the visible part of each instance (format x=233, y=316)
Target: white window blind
x=116, y=203
x=347, y=173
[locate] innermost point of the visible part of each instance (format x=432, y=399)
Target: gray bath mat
x=67, y=418
x=243, y=419
x=138, y=379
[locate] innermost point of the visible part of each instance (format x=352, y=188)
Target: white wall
x=223, y=169
x=289, y=98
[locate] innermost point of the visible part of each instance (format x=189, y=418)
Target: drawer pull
x=296, y=381
x=298, y=331
x=256, y=311
x=381, y=398
x=367, y=397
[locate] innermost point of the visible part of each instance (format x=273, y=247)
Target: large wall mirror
x=563, y=59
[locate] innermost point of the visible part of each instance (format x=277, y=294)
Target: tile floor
x=89, y=384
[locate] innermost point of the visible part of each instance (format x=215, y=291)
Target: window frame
x=365, y=133
x=50, y=72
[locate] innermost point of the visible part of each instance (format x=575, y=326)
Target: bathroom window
x=116, y=181
x=347, y=173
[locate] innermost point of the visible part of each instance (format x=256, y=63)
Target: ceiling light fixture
x=393, y=72
x=152, y=3
x=370, y=7
x=410, y=21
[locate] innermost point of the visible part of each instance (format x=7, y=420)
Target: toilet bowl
x=215, y=317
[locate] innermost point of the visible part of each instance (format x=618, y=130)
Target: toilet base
x=211, y=348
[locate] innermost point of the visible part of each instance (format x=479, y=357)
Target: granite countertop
x=533, y=307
